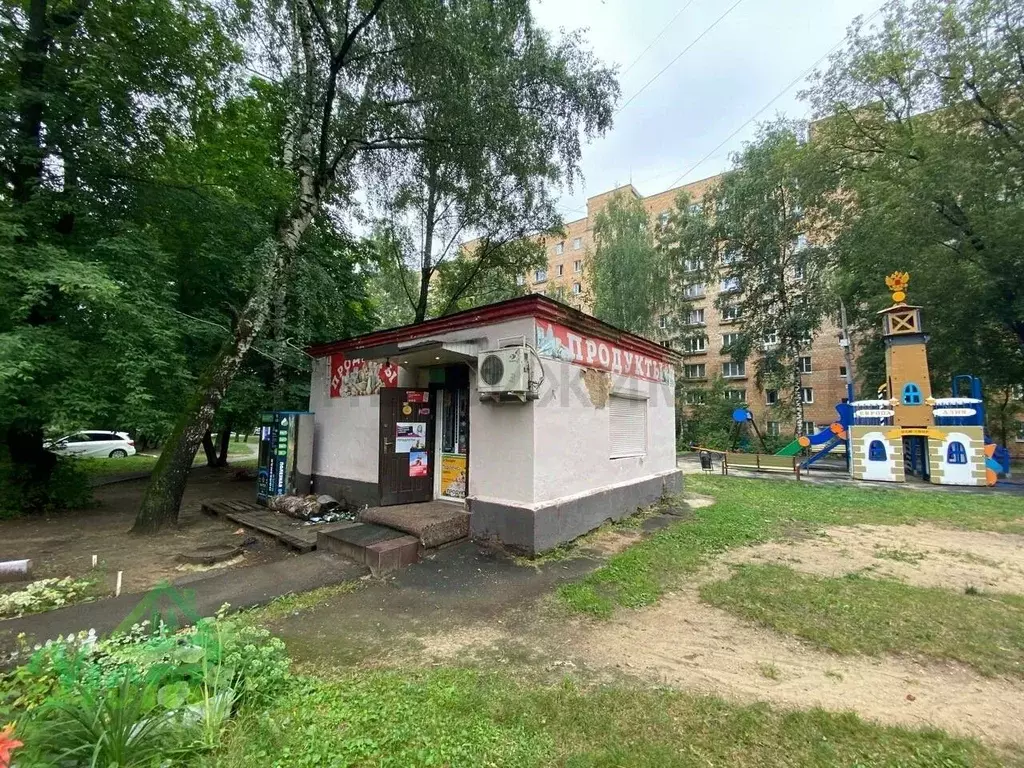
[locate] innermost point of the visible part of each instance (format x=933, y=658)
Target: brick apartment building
x=824, y=367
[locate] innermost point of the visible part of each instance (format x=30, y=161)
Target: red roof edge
x=532, y=305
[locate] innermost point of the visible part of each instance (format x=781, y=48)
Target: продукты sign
x=557, y=341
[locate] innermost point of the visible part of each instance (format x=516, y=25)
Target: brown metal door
x=406, y=446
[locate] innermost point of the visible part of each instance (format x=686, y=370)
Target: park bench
x=761, y=462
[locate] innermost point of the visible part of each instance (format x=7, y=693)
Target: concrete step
x=434, y=523
x=380, y=548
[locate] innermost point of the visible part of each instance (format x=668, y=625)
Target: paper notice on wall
x=453, y=476
x=418, y=463
x=410, y=436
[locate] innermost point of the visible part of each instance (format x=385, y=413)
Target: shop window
x=876, y=451
x=627, y=426
x=911, y=394
x=956, y=453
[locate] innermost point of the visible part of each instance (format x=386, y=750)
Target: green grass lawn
x=749, y=511
x=461, y=717
x=855, y=614
x=140, y=463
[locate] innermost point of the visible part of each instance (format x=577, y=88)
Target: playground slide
x=831, y=444
x=790, y=450
x=818, y=438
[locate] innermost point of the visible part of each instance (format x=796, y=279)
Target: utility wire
x=679, y=56
x=656, y=39
x=775, y=98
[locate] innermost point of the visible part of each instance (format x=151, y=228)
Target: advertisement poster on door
x=453, y=476
x=418, y=462
x=410, y=436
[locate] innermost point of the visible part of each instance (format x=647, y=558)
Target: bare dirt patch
x=63, y=545
x=921, y=555
x=684, y=643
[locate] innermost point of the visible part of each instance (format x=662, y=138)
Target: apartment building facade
x=705, y=341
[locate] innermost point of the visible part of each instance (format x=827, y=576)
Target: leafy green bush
x=66, y=488
x=140, y=693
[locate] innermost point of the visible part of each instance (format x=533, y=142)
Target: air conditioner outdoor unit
x=504, y=371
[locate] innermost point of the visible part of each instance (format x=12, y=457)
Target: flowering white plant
x=43, y=595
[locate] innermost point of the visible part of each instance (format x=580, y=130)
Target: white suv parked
x=90, y=442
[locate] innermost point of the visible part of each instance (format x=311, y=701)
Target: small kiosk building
x=543, y=421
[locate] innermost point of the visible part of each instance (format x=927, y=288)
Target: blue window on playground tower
x=911, y=394
x=956, y=453
x=876, y=451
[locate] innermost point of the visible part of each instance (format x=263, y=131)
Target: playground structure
x=905, y=432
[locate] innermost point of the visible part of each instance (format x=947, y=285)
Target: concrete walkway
x=191, y=597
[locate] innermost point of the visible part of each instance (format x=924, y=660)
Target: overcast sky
x=721, y=82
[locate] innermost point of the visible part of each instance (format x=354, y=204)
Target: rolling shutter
x=628, y=426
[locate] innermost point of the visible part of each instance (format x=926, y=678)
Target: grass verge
x=102, y=467
x=854, y=614
x=460, y=717
x=749, y=511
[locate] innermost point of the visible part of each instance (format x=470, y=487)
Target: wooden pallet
x=287, y=530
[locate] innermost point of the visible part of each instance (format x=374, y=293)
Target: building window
x=772, y=428
x=807, y=395
x=577, y=289
x=808, y=427
x=693, y=291
x=876, y=451
x=729, y=339
x=800, y=243
x=695, y=208
x=663, y=219
x=627, y=426
x=771, y=339
x=691, y=265
x=736, y=395
x=805, y=365
x=771, y=396
x=694, y=397
x=558, y=270
x=520, y=280
x=734, y=370
x=577, y=243
x=731, y=257
x=1020, y=432
x=697, y=371
x=842, y=371
x=693, y=344
x=696, y=317
x=911, y=394
x=956, y=453
x=663, y=322
x=577, y=266
x=730, y=285
x=540, y=276
x=798, y=271
x=731, y=312
x=559, y=248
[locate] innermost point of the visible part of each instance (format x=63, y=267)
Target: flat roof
x=532, y=305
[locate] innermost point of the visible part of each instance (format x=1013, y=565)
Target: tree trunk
x=32, y=463
x=162, y=500
x=209, y=449
x=798, y=400
x=278, y=321
x=225, y=441
x=427, y=255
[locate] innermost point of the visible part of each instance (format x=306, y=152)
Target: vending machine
x=285, y=461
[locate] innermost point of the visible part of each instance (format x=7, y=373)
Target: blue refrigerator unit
x=284, y=465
